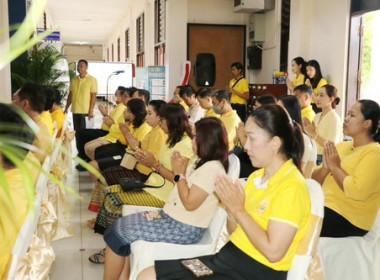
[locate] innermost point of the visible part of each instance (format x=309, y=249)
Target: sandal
x=98, y=258
x=91, y=223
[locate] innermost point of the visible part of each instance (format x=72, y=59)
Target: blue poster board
x=156, y=79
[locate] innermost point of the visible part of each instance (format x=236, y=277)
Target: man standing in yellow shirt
x=304, y=93
x=82, y=96
x=239, y=90
x=229, y=117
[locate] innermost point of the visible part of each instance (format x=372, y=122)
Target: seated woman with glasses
x=189, y=208
x=268, y=218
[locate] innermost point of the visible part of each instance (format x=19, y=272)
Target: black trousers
x=79, y=121
x=334, y=225
x=86, y=135
x=241, y=110
x=110, y=150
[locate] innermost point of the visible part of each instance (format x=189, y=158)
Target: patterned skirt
x=112, y=206
x=134, y=227
x=112, y=176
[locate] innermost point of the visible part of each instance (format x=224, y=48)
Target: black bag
x=128, y=184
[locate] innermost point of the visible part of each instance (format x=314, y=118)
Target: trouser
x=79, y=121
x=86, y=135
x=91, y=146
x=241, y=110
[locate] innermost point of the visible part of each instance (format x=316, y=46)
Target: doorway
x=364, y=58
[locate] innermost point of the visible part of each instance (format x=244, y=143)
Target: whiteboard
x=105, y=72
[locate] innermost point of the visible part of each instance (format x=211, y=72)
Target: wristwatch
x=179, y=177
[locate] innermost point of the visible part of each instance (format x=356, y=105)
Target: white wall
x=5, y=73
x=319, y=29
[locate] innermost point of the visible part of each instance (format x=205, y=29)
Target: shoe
x=80, y=167
x=98, y=258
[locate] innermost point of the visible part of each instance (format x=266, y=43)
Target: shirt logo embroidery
x=262, y=206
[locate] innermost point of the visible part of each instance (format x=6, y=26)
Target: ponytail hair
x=300, y=61
x=276, y=122
x=371, y=111
x=332, y=91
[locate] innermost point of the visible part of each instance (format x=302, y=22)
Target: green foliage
x=40, y=66
x=367, y=49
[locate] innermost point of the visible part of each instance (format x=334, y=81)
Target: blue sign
x=54, y=36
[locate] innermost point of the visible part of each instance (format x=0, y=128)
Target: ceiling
x=86, y=21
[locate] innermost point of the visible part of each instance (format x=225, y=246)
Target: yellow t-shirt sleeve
x=365, y=180
x=290, y=204
x=94, y=85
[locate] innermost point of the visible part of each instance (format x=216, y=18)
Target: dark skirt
x=334, y=225
x=230, y=263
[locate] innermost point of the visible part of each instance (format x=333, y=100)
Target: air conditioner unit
x=252, y=6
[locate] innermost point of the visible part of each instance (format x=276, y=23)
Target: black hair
x=157, y=104
x=300, y=61
x=57, y=97
x=212, y=141
x=332, y=91
x=266, y=99
x=138, y=109
x=186, y=90
x=177, y=122
x=122, y=90
x=145, y=93
x=318, y=73
x=49, y=95
x=221, y=94
x=238, y=66
x=83, y=60
x=304, y=89
x=275, y=121
x=35, y=95
x=371, y=111
x=130, y=91
x=204, y=92
x=18, y=130
x=293, y=107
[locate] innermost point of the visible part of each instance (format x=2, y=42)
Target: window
x=140, y=40
x=127, y=45
x=159, y=31
x=118, y=49
x=112, y=53
x=159, y=21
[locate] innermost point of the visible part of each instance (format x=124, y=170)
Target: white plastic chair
x=352, y=258
x=30, y=224
x=145, y=253
x=308, y=245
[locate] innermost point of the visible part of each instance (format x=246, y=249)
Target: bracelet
x=157, y=167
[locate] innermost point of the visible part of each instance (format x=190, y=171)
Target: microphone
x=118, y=72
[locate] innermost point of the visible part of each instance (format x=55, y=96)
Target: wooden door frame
x=219, y=25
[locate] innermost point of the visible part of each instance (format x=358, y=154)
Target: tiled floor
x=72, y=253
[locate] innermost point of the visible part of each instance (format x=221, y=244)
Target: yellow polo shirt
x=231, y=121
x=185, y=148
x=211, y=113
x=59, y=117
x=360, y=198
x=115, y=133
x=152, y=142
x=298, y=80
x=12, y=215
x=321, y=83
x=242, y=86
x=81, y=90
x=308, y=112
x=283, y=198
x=48, y=121
x=117, y=114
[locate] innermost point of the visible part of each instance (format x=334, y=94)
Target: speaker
x=204, y=69
x=254, y=55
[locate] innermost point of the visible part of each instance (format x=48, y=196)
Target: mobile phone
x=198, y=268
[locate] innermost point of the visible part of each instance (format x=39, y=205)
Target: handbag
x=129, y=160
x=129, y=184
